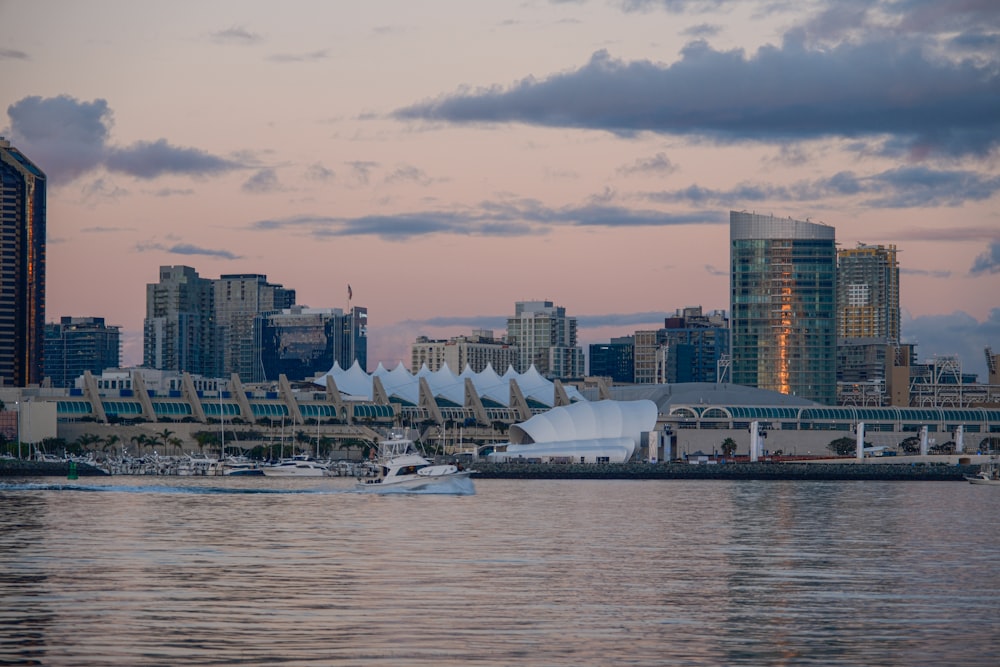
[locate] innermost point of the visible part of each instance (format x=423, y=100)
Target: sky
x=448, y=158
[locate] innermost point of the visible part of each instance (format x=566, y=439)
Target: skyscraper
x=868, y=293
x=239, y=298
x=77, y=344
x=783, y=305
x=179, y=332
x=867, y=322
x=547, y=339
x=22, y=268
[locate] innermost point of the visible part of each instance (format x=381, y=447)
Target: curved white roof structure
x=444, y=383
x=611, y=430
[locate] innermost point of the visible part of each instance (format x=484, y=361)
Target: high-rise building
x=868, y=293
x=546, y=339
x=239, y=299
x=22, y=268
x=179, y=331
x=687, y=349
x=696, y=342
x=474, y=351
x=77, y=344
x=615, y=360
x=867, y=322
x=301, y=342
x=783, y=305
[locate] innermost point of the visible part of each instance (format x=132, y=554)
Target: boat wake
x=161, y=489
x=453, y=487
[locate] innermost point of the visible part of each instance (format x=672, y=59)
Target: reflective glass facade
x=783, y=305
x=22, y=268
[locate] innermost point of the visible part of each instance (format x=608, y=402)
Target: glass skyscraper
x=783, y=305
x=22, y=268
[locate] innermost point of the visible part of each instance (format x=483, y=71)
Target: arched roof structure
x=610, y=430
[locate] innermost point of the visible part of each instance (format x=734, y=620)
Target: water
x=169, y=571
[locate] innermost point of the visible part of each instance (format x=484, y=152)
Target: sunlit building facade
x=22, y=268
x=783, y=305
x=547, y=339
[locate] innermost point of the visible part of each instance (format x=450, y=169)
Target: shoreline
x=917, y=471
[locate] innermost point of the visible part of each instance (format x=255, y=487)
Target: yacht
x=301, y=465
x=989, y=473
x=400, y=466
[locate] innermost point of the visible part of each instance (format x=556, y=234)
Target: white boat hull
x=414, y=482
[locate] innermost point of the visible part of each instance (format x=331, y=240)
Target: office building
x=783, y=305
x=476, y=351
x=546, y=338
x=22, y=268
x=77, y=344
x=615, y=360
x=687, y=349
x=301, y=342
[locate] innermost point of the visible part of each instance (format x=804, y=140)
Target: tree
x=728, y=447
x=110, y=442
x=843, y=446
x=164, y=437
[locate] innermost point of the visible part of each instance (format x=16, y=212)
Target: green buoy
x=72, y=471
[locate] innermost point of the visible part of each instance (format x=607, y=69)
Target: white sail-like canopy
x=444, y=383
x=610, y=430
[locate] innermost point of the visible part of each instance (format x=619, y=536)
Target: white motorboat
x=401, y=467
x=989, y=473
x=237, y=466
x=300, y=465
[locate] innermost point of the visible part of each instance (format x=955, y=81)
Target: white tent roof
x=445, y=383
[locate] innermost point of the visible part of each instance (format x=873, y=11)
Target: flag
x=350, y=294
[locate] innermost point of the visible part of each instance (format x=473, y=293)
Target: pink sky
x=450, y=158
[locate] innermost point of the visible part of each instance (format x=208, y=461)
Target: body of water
x=255, y=571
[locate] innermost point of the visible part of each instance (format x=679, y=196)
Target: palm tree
x=110, y=442
x=728, y=447
x=140, y=440
x=176, y=443
x=164, y=437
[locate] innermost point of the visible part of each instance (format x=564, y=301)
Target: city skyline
x=449, y=160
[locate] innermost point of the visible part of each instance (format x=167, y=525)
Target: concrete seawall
x=750, y=471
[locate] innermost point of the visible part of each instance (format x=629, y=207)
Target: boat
x=236, y=466
x=300, y=465
x=400, y=466
x=989, y=473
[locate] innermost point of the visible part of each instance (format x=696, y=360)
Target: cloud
x=147, y=160
x=171, y=192
x=103, y=189
x=13, y=54
x=311, y=56
x=317, y=172
x=64, y=137
x=988, y=261
x=236, y=35
x=925, y=272
x=489, y=219
x=882, y=88
x=362, y=170
x=68, y=138
x=262, y=182
x=410, y=174
x=185, y=249
x=904, y=187
x=659, y=164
